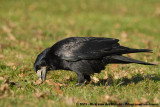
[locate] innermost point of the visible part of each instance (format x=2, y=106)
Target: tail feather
x=124, y=60
x=117, y=49
x=130, y=50
x=126, y=50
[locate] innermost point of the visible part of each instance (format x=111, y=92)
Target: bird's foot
x=77, y=84
x=81, y=84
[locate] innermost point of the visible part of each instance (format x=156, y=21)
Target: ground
x=27, y=27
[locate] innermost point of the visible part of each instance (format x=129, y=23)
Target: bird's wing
x=73, y=49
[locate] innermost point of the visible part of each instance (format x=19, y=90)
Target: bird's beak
x=42, y=73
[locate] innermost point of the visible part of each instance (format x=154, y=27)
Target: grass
x=27, y=27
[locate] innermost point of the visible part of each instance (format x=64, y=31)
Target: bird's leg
x=80, y=79
x=81, y=84
x=87, y=78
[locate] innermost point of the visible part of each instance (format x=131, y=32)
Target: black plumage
x=84, y=56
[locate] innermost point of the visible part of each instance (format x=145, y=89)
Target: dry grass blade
x=70, y=100
x=40, y=94
x=38, y=81
x=4, y=90
x=2, y=78
x=58, y=90
x=95, y=79
x=50, y=82
x=112, y=99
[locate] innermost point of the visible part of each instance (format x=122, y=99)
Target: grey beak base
x=42, y=73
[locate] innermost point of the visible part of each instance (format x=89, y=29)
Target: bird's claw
x=77, y=84
x=82, y=84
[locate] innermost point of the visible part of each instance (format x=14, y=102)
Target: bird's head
x=41, y=67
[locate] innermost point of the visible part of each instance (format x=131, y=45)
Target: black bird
x=84, y=56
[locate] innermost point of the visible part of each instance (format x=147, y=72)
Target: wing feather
x=77, y=48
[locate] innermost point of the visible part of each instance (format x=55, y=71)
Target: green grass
x=27, y=27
